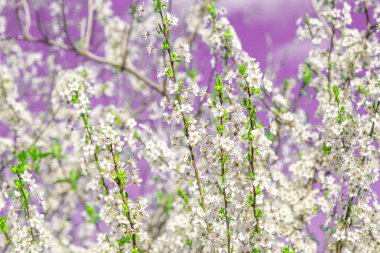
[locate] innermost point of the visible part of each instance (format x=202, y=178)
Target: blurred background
x=267, y=30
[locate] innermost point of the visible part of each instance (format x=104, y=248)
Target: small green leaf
x=220, y=129
x=269, y=135
x=336, y=93
x=19, y=169
x=189, y=242
x=218, y=85
x=3, y=225
x=22, y=156
x=94, y=217
x=123, y=240
x=362, y=90
x=120, y=178
x=307, y=75
x=326, y=149
x=183, y=195
x=287, y=249
x=228, y=34
x=34, y=153
x=242, y=69
x=258, y=190
x=250, y=199
x=259, y=213
x=192, y=74
x=56, y=150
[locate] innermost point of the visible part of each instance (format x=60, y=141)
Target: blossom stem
x=186, y=127
x=89, y=133
x=223, y=171
x=123, y=197
x=339, y=244
x=252, y=159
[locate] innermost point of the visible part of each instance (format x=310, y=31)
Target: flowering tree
x=161, y=134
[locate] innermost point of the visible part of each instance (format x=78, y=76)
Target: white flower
x=186, y=108
x=212, y=62
x=150, y=48
x=217, y=111
x=162, y=72
x=172, y=87
x=146, y=35
x=140, y=9
x=135, y=178
x=273, y=126
x=230, y=76
x=185, y=46
x=172, y=20
x=187, y=57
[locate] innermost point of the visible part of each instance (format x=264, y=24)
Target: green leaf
x=258, y=190
x=252, y=113
x=175, y=57
x=250, y=199
x=256, y=90
x=187, y=121
x=246, y=102
x=94, y=217
x=362, y=90
x=220, y=129
x=120, y=178
x=166, y=45
x=211, y=10
x=259, y=213
x=180, y=86
x=255, y=250
x=192, y=74
x=74, y=98
x=307, y=19
x=19, y=169
x=222, y=212
x=158, y=6
x=183, y=195
x=340, y=117
x=117, y=121
x=326, y=194
x=228, y=34
x=74, y=178
x=3, y=224
x=269, y=135
x=125, y=207
x=242, y=69
x=22, y=156
x=287, y=249
x=336, y=93
x=218, y=85
x=326, y=149
x=189, y=242
x=286, y=83
x=34, y=153
x=85, y=119
x=123, y=240
x=307, y=74
x=225, y=115
x=56, y=150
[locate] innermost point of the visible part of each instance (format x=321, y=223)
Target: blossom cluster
x=116, y=138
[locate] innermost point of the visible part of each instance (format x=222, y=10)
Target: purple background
x=265, y=28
